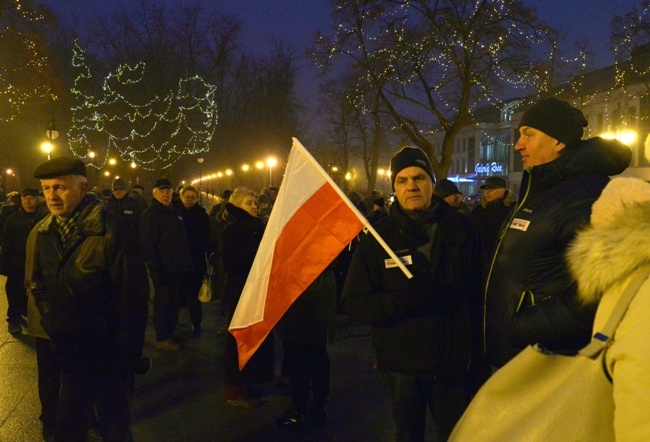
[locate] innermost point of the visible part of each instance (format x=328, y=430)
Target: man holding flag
x=424, y=328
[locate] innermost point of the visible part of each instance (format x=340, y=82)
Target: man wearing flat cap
x=166, y=251
x=530, y=296
x=493, y=208
x=12, y=255
x=90, y=286
x=423, y=331
x=124, y=206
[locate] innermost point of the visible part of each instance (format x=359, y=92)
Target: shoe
x=244, y=402
x=167, y=345
x=142, y=366
x=291, y=418
x=15, y=328
x=196, y=330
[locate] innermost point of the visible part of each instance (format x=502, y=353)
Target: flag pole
x=366, y=224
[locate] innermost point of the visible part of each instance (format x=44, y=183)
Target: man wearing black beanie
x=422, y=327
x=530, y=297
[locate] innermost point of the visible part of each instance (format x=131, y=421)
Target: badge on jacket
x=406, y=260
x=520, y=224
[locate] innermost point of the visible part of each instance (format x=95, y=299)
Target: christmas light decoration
x=24, y=64
x=152, y=132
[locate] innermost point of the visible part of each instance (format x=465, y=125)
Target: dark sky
x=294, y=21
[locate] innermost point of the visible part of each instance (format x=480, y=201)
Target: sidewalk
x=182, y=396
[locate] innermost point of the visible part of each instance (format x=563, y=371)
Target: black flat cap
x=162, y=183
x=29, y=191
x=60, y=166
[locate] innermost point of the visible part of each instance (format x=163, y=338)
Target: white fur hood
x=617, y=241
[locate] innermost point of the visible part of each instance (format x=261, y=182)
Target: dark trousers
x=82, y=392
x=49, y=375
x=165, y=306
x=16, y=296
x=189, y=295
x=305, y=363
x=410, y=398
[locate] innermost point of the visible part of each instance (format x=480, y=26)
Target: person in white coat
x=604, y=258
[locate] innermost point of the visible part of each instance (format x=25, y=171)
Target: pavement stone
x=181, y=398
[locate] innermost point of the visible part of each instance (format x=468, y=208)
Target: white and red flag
x=311, y=222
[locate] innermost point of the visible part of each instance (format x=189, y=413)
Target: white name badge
x=520, y=224
x=128, y=212
x=406, y=260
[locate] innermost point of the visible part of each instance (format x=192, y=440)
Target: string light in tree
x=152, y=132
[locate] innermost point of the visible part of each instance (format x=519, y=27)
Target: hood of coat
x=615, y=243
x=507, y=200
x=595, y=156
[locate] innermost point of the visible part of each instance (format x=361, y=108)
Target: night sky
x=294, y=21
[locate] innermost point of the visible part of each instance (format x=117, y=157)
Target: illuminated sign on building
x=489, y=168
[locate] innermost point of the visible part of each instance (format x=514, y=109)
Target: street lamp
x=200, y=161
x=47, y=148
x=245, y=168
x=271, y=162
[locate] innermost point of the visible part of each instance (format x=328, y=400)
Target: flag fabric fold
x=311, y=222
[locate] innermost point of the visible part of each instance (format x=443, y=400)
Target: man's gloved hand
x=416, y=291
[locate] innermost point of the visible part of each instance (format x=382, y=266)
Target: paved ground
x=182, y=396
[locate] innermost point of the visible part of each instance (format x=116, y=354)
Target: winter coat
x=197, y=228
x=14, y=239
x=164, y=242
x=240, y=239
x=127, y=209
x=529, y=295
x=92, y=294
x=421, y=326
x=605, y=257
x=309, y=318
x=488, y=219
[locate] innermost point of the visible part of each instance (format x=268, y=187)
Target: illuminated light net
x=153, y=132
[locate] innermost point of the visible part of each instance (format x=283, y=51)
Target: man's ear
x=559, y=147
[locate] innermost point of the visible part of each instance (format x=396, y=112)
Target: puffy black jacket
x=529, y=296
x=164, y=242
x=93, y=294
x=127, y=209
x=422, y=326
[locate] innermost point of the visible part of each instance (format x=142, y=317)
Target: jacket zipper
x=494, y=256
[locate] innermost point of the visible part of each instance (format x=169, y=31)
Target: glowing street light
x=47, y=147
x=200, y=161
x=112, y=161
x=271, y=162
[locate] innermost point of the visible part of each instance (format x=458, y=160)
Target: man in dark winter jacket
x=166, y=251
x=494, y=207
x=124, y=206
x=90, y=286
x=529, y=296
x=423, y=326
x=12, y=255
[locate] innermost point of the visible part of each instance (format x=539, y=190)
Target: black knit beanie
x=409, y=156
x=557, y=119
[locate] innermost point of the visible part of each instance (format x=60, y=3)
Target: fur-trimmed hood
x=616, y=242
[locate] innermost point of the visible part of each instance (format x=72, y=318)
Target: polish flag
x=311, y=222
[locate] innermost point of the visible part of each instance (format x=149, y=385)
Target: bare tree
x=432, y=62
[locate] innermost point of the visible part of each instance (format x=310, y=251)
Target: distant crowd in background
x=473, y=287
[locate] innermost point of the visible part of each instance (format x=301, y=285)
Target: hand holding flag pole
x=311, y=222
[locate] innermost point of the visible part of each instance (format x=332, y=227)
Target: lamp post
x=245, y=168
x=200, y=161
x=47, y=148
x=271, y=162
x=52, y=134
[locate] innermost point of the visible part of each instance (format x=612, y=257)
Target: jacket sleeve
x=559, y=322
x=130, y=290
x=238, y=248
x=149, y=242
x=365, y=296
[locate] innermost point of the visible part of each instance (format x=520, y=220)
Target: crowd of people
x=484, y=283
